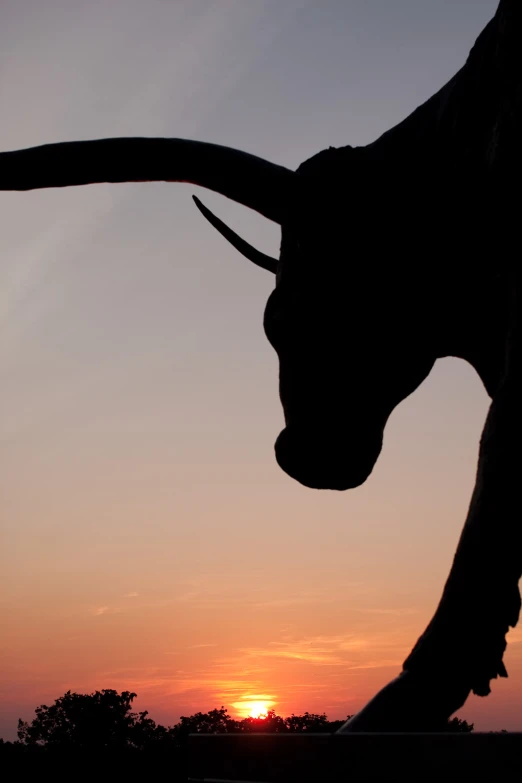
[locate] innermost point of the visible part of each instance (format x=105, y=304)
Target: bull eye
x=277, y=315
x=275, y=319
x=273, y=326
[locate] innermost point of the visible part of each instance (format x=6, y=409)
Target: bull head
x=352, y=341
x=341, y=373
x=356, y=225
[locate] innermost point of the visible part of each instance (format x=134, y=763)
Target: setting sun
x=257, y=709
x=253, y=707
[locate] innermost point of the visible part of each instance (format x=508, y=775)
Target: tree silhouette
x=309, y=721
x=104, y=721
x=271, y=723
x=458, y=725
x=96, y=721
x=216, y=721
x=101, y=735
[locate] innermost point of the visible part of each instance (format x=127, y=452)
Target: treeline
x=100, y=730
x=105, y=720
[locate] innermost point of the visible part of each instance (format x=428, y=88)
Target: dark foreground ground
x=287, y=758
x=280, y=758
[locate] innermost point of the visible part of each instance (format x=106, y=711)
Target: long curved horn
x=256, y=256
x=247, y=179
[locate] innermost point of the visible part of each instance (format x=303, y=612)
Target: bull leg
x=461, y=649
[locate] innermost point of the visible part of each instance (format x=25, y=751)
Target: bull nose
x=326, y=461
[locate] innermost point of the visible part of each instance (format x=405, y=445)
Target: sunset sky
x=150, y=542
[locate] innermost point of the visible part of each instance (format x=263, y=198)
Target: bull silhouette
x=392, y=255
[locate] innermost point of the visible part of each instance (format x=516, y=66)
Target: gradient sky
x=150, y=541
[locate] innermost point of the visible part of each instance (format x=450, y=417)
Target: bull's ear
x=256, y=256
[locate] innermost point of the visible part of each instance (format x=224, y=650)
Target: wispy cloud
x=130, y=595
x=322, y=650
x=205, y=593
x=273, y=673
x=99, y=610
x=404, y=611
x=343, y=649
x=317, y=595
